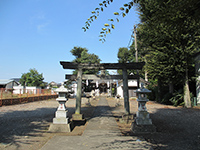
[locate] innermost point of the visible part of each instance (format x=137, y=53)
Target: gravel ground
x=25, y=126
x=177, y=127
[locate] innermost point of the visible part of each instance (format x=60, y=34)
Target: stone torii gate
x=102, y=66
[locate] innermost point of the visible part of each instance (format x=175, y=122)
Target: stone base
x=141, y=121
x=61, y=113
x=60, y=128
x=60, y=117
x=139, y=129
x=60, y=120
x=142, y=118
x=78, y=117
x=126, y=118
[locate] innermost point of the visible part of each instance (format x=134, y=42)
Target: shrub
x=177, y=98
x=166, y=99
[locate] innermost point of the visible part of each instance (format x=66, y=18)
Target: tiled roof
x=5, y=81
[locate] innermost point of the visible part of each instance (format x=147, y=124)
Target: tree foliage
x=82, y=56
x=168, y=38
x=32, y=78
x=171, y=35
x=108, y=27
x=126, y=56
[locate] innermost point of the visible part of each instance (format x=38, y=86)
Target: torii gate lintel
x=98, y=77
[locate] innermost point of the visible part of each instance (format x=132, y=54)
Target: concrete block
x=78, y=117
x=141, y=129
x=60, y=128
x=60, y=120
x=61, y=113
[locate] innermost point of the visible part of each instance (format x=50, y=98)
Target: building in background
x=8, y=84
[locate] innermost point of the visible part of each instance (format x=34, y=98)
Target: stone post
x=60, y=122
x=125, y=91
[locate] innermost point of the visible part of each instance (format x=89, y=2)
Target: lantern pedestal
x=142, y=115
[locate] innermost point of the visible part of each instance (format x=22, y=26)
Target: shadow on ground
x=177, y=128
x=24, y=123
x=29, y=127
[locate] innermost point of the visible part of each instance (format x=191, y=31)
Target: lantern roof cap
x=142, y=89
x=62, y=89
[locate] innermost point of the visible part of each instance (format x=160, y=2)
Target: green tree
x=82, y=56
x=77, y=52
x=169, y=35
x=32, y=78
x=173, y=38
x=125, y=56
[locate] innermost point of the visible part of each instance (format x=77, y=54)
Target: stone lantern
x=142, y=122
x=60, y=122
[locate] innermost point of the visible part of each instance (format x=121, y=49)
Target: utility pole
x=136, y=51
x=136, y=55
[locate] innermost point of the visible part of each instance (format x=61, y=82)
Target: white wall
x=20, y=90
x=33, y=89
x=131, y=83
x=74, y=88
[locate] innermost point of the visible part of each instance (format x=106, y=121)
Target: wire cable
x=130, y=40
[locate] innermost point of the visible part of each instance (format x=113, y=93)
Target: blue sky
x=40, y=33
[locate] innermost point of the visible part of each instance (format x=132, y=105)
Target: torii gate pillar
x=125, y=91
x=79, y=91
x=78, y=115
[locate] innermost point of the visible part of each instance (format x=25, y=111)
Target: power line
x=130, y=40
x=132, y=36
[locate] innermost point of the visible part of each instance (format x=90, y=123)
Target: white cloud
x=42, y=26
x=39, y=16
x=39, y=21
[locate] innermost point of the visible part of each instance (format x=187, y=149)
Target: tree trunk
x=145, y=70
x=171, y=88
x=146, y=75
x=159, y=91
x=187, y=91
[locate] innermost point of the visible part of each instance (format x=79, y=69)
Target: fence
x=8, y=97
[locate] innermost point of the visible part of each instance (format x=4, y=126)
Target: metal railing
x=11, y=96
